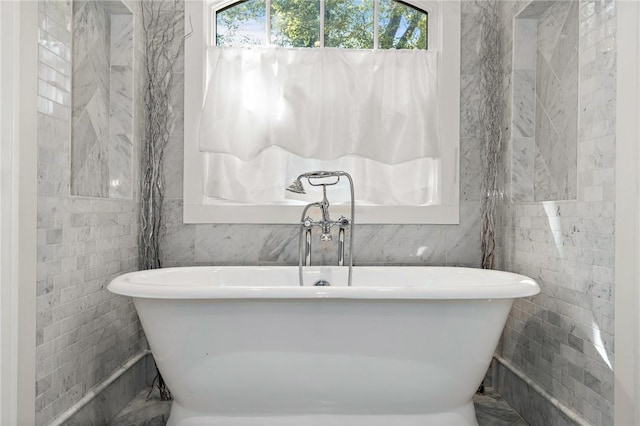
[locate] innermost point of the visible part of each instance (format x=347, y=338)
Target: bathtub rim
x=517, y=286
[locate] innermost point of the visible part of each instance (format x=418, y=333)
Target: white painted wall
x=18, y=77
x=627, y=219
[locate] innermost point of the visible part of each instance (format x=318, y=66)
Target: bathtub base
x=462, y=416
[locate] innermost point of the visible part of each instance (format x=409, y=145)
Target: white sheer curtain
x=263, y=180
x=271, y=114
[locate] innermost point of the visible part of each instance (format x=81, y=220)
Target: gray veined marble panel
x=415, y=244
x=84, y=31
x=562, y=101
x=174, y=165
x=524, y=100
x=89, y=160
x=557, y=163
x=522, y=173
x=102, y=101
x=567, y=43
x=525, y=44
x=121, y=40
x=469, y=108
x=92, y=176
x=121, y=102
x=534, y=9
x=228, y=244
x=368, y=245
x=556, y=119
x=98, y=112
x=550, y=25
x=83, y=87
x=90, y=110
x=280, y=245
x=545, y=187
x=546, y=135
x=470, y=169
x=547, y=83
x=470, y=43
x=84, y=139
x=120, y=164
x=463, y=241
x=177, y=238
x=101, y=67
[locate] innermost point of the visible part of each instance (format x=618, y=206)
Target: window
x=351, y=24
x=383, y=25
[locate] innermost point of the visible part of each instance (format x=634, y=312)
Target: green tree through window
x=295, y=23
x=402, y=26
x=347, y=24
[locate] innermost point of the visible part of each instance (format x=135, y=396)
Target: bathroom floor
x=491, y=410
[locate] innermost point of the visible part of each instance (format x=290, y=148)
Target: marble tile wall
x=102, y=75
x=563, y=339
x=557, y=103
x=524, y=109
x=90, y=99
x=121, y=106
x=545, y=102
x=388, y=244
x=83, y=332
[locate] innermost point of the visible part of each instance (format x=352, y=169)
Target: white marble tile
x=369, y=244
x=547, y=83
x=562, y=244
x=522, y=177
x=415, y=244
x=525, y=44
x=524, y=100
x=178, y=239
x=470, y=42
x=89, y=332
x=546, y=135
x=174, y=166
x=550, y=24
x=121, y=47
x=228, y=244
x=84, y=139
x=121, y=100
x=534, y=9
x=567, y=43
x=463, y=241
x=470, y=169
x=470, y=106
x=120, y=167
x=280, y=244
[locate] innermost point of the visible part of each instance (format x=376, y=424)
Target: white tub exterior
x=403, y=346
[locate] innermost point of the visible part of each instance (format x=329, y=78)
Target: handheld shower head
x=296, y=187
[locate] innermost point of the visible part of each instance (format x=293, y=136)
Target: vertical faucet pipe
x=341, y=246
x=353, y=221
x=307, y=246
x=304, y=235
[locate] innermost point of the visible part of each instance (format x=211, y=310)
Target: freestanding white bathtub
x=403, y=346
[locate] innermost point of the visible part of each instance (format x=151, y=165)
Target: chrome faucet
x=325, y=223
x=326, y=220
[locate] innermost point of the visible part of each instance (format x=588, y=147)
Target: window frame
x=446, y=41
x=430, y=7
